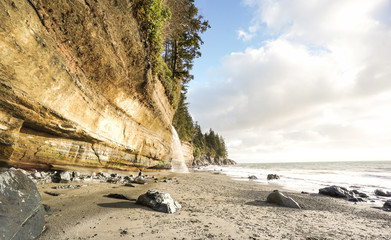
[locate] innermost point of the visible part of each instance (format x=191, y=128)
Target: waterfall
x=178, y=160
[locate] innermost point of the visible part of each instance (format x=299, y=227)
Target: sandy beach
x=213, y=207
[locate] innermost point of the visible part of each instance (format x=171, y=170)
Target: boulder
x=21, y=211
x=387, y=205
x=128, y=179
x=140, y=180
x=159, y=201
x=382, y=193
x=360, y=194
x=277, y=197
x=62, y=177
x=336, y=191
x=273, y=177
x=252, y=177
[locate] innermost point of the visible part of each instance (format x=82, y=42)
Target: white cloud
x=245, y=36
x=321, y=90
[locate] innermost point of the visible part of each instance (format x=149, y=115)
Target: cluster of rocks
x=22, y=213
x=272, y=177
x=354, y=195
x=341, y=192
x=74, y=176
x=269, y=177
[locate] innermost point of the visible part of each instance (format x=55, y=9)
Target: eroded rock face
x=76, y=88
x=21, y=212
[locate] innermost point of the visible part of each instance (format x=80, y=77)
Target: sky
x=296, y=80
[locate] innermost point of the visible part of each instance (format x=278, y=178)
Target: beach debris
x=22, y=214
x=252, y=177
x=117, y=196
x=387, y=205
x=159, y=201
x=381, y=193
x=129, y=185
x=272, y=177
x=277, y=197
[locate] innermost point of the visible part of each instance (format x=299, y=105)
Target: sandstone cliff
x=187, y=150
x=76, y=89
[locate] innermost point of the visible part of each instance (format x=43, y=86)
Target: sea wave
x=310, y=177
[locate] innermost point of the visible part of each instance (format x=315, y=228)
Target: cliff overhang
x=76, y=88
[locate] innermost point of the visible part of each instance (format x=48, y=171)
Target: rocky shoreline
x=205, y=160
x=208, y=206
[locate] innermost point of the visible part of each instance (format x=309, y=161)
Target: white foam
x=311, y=180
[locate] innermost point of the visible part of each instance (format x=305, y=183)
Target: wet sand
x=213, y=207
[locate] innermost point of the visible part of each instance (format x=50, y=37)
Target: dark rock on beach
x=159, y=201
x=341, y=192
x=382, y=193
x=277, y=197
x=273, y=177
x=336, y=191
x=252, y=177
x=21, y=211
x=360, y=194
x=387, y=205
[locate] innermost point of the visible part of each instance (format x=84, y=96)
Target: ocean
x=311, y=176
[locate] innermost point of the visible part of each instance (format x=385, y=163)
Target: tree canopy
x=172, y=30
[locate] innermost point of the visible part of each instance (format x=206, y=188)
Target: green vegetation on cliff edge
x=172, y=29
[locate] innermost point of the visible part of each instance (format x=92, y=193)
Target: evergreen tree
x=182, y=38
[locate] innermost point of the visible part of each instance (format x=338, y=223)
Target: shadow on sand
x=123, y=204
x=259, y=203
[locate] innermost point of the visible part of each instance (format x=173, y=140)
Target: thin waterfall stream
x=178, y=160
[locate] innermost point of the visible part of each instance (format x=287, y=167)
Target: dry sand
x=213, y=207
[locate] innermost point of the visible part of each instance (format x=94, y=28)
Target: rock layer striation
x=76, y=88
